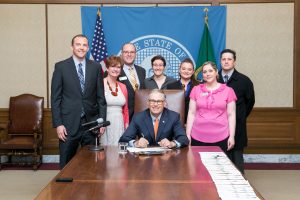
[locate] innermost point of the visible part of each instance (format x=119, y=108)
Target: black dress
x=177, y=86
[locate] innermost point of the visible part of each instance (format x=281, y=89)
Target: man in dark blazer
x=77, y=97
x=132, y=83
x=244, y=90
x=169, y=131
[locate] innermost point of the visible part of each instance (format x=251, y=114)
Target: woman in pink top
x=211, y=117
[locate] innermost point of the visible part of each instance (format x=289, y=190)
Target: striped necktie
x=133, y=79
x=226, y=78
x=81, y=80
x=81, y=76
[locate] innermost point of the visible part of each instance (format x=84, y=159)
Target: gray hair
x=158, y=91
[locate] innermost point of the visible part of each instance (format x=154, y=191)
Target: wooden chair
x=175, y=101
x=24, y=131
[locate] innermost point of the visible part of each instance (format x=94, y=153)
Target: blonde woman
x=211, y=117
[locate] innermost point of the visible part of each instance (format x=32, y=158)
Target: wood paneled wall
x=269, y=131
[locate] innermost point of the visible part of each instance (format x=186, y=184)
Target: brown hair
x=158, y=57
x=193, y=79
x=112, y=61
x=78, y=36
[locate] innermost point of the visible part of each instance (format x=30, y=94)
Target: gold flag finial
x=206, y=15
x=199, y=69
x=98, y=12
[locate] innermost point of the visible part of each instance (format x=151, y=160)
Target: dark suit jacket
x=244, y=90
x=67, y=98
x=177, y=85
x=141, y=73
x=169, y=127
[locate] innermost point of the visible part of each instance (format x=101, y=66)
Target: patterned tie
x=81, y=76
x=133, y=79
x=81, y=80
x=226, y=78
x=156, y=123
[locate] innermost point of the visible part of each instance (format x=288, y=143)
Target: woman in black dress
x=186, y=81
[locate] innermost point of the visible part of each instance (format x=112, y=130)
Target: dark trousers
x=68, y=149
x=237, y=158
x=222, y=144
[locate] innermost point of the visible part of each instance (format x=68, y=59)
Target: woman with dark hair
x=186, y=81
x=159, y=80
x=116, y=96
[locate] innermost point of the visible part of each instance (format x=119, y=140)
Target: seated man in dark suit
x=156, y=125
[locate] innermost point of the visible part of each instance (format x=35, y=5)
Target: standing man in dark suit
x=244, y=90
x=132, y=76
x=77, y=96
x=156, y=125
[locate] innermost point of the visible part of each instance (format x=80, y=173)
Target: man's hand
x=141, y=143
x=61, y=132
x=166, y=143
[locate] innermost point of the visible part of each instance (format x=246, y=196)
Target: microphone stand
x=96, y=147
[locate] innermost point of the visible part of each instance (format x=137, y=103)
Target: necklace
x=114, y=93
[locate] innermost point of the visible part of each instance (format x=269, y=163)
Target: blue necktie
x=226, y=78
x=81, y=76
x=81, y=79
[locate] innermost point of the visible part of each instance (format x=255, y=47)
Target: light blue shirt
x=229, y=74
x=76, y=61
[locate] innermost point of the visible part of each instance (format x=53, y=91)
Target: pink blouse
x=211, y=122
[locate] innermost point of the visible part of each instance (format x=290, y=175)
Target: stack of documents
x=229, y=181
x=149, y=150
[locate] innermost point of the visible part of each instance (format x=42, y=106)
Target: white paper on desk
x=148, y=149
x=229, y=182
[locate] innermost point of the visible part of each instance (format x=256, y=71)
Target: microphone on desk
x=102, y=124
x=97, y=121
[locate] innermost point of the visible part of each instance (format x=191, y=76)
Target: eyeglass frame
x=158, y=102
x=129, y=52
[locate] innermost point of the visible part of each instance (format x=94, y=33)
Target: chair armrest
x=3, y=127
x=3, y=132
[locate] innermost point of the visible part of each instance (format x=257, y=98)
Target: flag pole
x=199, y=69
x=206, y=50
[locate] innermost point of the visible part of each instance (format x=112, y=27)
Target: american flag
x=99, y=50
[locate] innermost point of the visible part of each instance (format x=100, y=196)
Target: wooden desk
x=178, y=174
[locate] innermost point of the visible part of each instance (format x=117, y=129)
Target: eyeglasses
x=129, y=52
x=158, y=102
x=158, y=65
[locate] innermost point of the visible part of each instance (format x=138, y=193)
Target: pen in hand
x=143, y=136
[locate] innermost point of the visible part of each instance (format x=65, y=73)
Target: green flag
x=206, y=51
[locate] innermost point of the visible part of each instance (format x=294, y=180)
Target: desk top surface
x=108, y=175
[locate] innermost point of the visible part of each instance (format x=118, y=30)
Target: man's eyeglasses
x=158, y=102
x=129, y=52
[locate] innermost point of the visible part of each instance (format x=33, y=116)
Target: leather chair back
x=25, y=114
x=175, y=101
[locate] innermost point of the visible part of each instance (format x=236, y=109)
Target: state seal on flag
x=151, y=45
